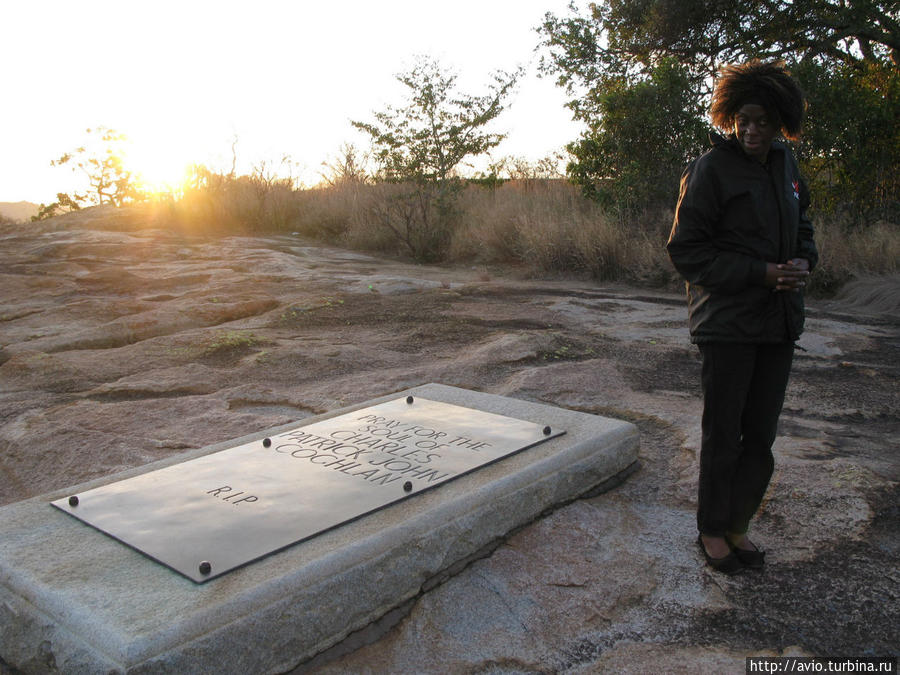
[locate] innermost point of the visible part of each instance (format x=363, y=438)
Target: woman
x=743, y=242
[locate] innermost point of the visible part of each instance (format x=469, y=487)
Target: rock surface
x=122, y=344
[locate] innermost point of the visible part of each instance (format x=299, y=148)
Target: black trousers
x=743, y=392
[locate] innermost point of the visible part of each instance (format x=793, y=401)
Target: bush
x=546, y=226
x=418, y=148
x=224, y=202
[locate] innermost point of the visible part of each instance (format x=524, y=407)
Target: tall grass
x=850, y=251
x=544, y=226
x=225, y=203
x=548, y=226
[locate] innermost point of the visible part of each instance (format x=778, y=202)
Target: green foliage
x=101, y=162
x=643, y=113
x=647, y=129
x=63, y=204
x=429, y=137
x=612, y=56
x=850, y=151
x=628, y=35
x=420, y=216
x=230, y=342
x=348, y=168
x=420, y=145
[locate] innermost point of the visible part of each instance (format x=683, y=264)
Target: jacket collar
x=730, y=142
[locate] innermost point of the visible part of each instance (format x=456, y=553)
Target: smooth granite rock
x=87, y=603
x=613, y=583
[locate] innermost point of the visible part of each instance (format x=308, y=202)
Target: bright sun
x=159, y=167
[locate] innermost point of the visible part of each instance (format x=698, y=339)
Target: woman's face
x=755, y=130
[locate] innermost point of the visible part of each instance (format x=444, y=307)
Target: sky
x=184, y=80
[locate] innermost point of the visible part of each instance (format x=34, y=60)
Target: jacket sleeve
x=692, y=243
x=806, y=245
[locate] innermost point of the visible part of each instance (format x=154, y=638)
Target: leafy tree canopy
x=641, y=130
x=622, y=36
x=438, y=128
x=844, y=52
x=419, y=147
x=101, y=162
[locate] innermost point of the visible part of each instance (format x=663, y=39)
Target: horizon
x=184, y=81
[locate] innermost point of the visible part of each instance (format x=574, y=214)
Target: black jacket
x=734, y=215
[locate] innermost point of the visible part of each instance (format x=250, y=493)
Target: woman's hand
x=789, y=276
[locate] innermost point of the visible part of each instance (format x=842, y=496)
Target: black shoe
x=754, y=560
x=729, y=565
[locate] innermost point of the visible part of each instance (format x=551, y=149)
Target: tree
x=642, y=111
x=522, y=168
x=429, y=137
x=421, y=144
x=645, y=131
x=848, y=46
x=850, y=151
x=63, y=204
x=101, y=162
x=348, y=168
x=624, y=36
x=706, y=31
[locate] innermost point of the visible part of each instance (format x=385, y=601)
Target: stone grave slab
x=296, y=484
x=75, y=598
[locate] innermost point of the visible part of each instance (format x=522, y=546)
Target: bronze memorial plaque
x=212, y=514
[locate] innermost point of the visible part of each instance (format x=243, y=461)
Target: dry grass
x=548, y=226
x=543, y=225
x=872, y=294
x=850, y=252
x=225, y=203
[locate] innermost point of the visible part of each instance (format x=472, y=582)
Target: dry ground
x=121, y=345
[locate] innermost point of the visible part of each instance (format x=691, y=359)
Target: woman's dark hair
x=766, y=83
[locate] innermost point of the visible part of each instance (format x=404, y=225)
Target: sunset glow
x=187, y=80
x=159, y=167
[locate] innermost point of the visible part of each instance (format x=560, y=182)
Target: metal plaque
x=212, y=514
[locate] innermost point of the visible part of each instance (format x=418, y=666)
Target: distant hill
x=20, y=211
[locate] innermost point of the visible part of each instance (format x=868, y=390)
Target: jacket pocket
x=741, y=317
